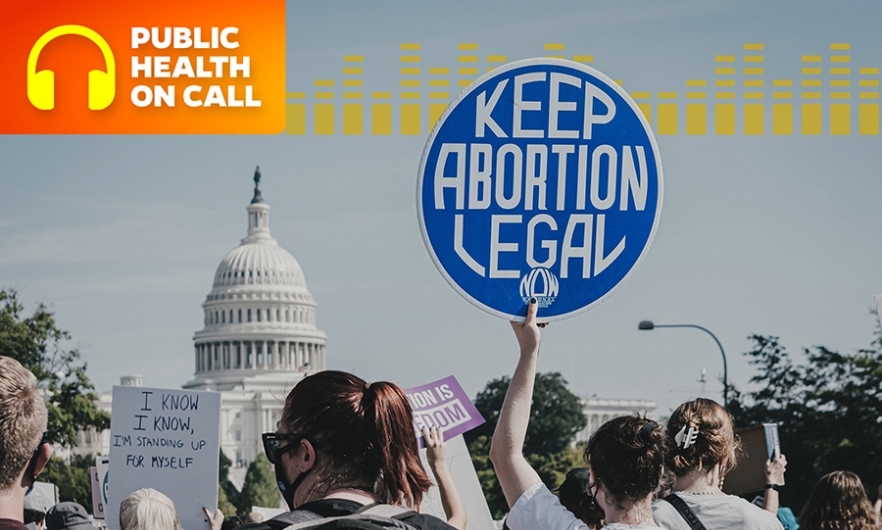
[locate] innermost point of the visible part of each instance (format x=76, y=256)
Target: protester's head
x=23, y=420
x=68, y=516
x=838, y=502
x=626, y=455
x=35, y=508
x=348, y=433
x=700, y=435
x=148, y=509
x=575, y=495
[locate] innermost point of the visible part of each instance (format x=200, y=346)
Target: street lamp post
x=648, y=325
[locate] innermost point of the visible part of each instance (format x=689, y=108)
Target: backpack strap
x=349, y=523
x=386, y=510
x=685, y=511
x=294, y=519
x=370, y=517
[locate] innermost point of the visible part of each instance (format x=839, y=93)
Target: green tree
x=556, y=417
x=828, y=410
x=224, y=504
x=73, y=480
x=226, y=492
x=37, y=343
x=260, y=487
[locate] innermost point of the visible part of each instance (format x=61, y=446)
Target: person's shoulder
x=664, y=508
x=665, y=514
x=662, y=505
x=752, y=516
x=12, y=524
x=281, y=521
x=758, y=518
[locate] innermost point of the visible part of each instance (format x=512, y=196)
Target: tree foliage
x=39, y=345
x=556, y=414
x=223, y=503
x=73, y=480
x=556, y=417
x=227, y=494
x=260, y=487
x=828, y=410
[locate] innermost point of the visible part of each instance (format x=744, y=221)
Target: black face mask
x=288, y=490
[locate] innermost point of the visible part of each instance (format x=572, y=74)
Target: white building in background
x=600, y=411
x=259, y=340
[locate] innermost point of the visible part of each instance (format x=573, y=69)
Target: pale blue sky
x=777, y=235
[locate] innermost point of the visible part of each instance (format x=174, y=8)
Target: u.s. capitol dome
x=259, y=316
x=259, y=336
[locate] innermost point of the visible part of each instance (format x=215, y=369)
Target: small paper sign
x=443, y=404
x=98, y=473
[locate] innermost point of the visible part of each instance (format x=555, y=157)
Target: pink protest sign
x=443, y=404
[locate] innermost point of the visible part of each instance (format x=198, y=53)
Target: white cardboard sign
x=165, y=439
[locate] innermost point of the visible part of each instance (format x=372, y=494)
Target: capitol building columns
x=266, y=355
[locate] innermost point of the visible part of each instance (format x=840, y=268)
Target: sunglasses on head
x=272, y=444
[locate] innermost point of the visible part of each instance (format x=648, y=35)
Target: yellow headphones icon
x=41, y=85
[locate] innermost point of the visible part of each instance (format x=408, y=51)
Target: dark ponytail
x=363, y=435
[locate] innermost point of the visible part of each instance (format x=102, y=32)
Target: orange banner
x=167, y=67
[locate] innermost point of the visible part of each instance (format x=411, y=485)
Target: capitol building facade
x=259, y=339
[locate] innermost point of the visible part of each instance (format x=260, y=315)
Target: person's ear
x=42, y=459
x=305, y=455
x=593, y=485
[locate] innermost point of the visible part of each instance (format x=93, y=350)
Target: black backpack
x=370, y=517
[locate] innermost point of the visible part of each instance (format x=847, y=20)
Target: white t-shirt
x=716, y=512
x=539, y=509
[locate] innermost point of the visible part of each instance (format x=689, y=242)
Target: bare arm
x=774, y=473
x=436, y=454
x=506, y=450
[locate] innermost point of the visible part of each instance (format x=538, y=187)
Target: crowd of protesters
x=345, y=452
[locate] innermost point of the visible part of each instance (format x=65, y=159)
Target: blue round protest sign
x=542, y=179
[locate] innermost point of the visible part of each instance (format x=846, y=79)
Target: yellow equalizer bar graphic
x=737, y=99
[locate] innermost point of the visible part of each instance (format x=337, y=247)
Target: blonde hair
x=716, y=441
x=148, y=509
x=23, y=419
